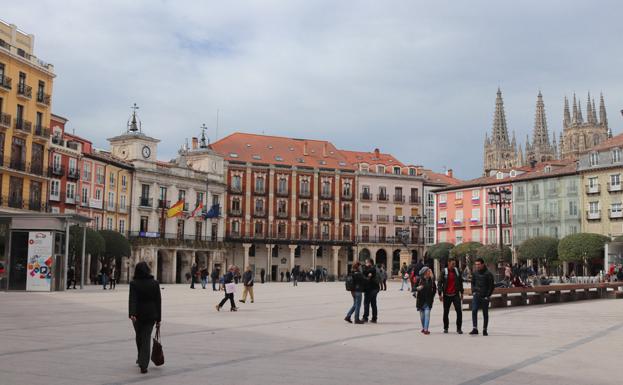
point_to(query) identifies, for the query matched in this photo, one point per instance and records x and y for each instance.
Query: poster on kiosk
(40, 261)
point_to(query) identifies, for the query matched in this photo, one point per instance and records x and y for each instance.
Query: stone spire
(589, 110)
(575, 111)
(580, 117)
(520, 157)
(554, 145)
(567, 116)
(595, 121)
(540, 136)
(500, 130)
(603, 119)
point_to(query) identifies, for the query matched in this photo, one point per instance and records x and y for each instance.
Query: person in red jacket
(450, 289)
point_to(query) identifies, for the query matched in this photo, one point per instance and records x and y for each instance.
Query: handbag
(157, 355)
(230, 288)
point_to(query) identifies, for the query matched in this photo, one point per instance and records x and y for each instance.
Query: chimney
(377, 153)
(325, 153)
(305, 148)
(450, 173)
(533, 163)
(195, 143)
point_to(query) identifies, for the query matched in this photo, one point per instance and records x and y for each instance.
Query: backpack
(377, 276)
(350, 282)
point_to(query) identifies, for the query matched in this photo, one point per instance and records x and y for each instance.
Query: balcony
(123, 208)
(43, 99)
(235, 212)
(347, 195)
(382, 218)
(235, 189)
(614, 187)
(5, 82)
(458, 222)
(282, 214)
(382, 197)
(365, 217)
(474, 221)
(399, 199)
(347, 217)
(24, 91)
(145, 202)
(414, 200)
(73, 173)
(110, 206)
(259, 214)
(57, 170)
(304, 194)
(34, 205)
(326, 216)
(326, 195)
(399, 219)
(164, 204)
(282, 193)
(615, 214)
(18, 164)
(365, 196)
(23, 126)
(259, 191)
(16, 202)
(593, 189)
(593, 215)
(303, 216)
(5, 120)
(42, 132)
(36, 168)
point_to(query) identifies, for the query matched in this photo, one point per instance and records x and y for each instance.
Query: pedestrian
(425, 296)
(193, 274)
(482, 288)
(204, 276)
(215, 276)
(318, 274)
(247, 281)
(281, 276)
(450, 290)
(228, 281)
(104, 273)
(372, 277)
(287, 276)
(355, 283)
(71, 277)
(295, 275)
(145, 309)
(404, 276)
(113, 278)
(262, 274)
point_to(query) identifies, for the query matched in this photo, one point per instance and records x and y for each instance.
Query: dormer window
(397, 170)
(616, 155)
(412, 172)
(593, 159)
(499, 175)
(380, 169)
(548, 169)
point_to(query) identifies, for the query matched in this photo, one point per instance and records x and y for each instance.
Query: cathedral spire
(589, 109)
(595, 121)
(575, 111)
(554, 145)
(500, 130)
(567, 116)
(603, 119)
(540, 136)
(580, 117)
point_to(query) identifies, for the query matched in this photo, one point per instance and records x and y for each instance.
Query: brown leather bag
(157, 355)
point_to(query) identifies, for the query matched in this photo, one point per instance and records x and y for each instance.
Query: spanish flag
(176, 209)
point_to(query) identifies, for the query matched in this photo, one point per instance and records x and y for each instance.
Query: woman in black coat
(228, 279)
(426, 290)
(144, 310)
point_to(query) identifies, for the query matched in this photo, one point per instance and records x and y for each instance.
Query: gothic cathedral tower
(499, 151)
(579, 136)
(540, 150)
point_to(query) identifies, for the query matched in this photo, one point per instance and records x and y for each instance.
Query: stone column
(247, 247)
(292, 256)
(269, 255)
(335, 260)
(173, 254)
(314, 249)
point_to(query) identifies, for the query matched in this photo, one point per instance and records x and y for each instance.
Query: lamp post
(500, 197)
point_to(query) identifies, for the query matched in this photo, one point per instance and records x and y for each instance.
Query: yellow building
(602, 190)
(117, 192)
(25, 110)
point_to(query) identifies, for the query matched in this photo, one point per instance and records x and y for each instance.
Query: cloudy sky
(416, 79)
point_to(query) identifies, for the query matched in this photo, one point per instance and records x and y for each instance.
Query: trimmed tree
(492, 254)
(116, 247)
(94, 247)
(440, 251)
(465, 250)
(544, 249)
(582, 247)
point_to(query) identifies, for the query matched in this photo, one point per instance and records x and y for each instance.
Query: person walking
(372, 277)
(145, 310)
(425, 296)
(262, 274)
(104, 273)
(71, 277)
(215, 278)
(204, 276)
(295, 276)
(482, 288)
(228, 278)
(193, 274)
(287, 276)
(450, 289)
(404, 276)
(247, 281)
(357, 286)
(383, 283)
(282, 273)
(112, 282)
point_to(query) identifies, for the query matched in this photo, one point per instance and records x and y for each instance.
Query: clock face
(146, 152)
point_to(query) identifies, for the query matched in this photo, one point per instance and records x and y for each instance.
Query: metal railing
(399, 198)
(24, 90)
(5, 82)
(43, 132)
(382, 197)
(365, 196)
(146, 202)
(43, 98)
(5, 120)
(23, 125)
(73, 173)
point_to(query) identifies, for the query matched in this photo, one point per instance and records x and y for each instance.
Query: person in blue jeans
(372, 287)
(483, 285)
(104, 273)
(426, 291)
(357, 293)
(404, 275)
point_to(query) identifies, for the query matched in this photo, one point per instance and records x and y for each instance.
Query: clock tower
(134, 145)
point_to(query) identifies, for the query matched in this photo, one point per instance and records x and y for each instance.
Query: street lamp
(500, 197)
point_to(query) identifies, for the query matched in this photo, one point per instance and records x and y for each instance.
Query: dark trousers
(229, 297)
(192, 281)
(262, 277)
(384, 284)
(143, 341)
(214, 283)
(370, 301)
(447, 302)
(69, 283)
(112, 283)
(480, 303)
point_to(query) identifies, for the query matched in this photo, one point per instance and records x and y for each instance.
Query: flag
(214, 212)
(176, 209)
(197, 211)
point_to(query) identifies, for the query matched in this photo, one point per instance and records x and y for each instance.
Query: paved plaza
(298, 336)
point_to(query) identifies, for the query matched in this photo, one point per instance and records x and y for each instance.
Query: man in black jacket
(371, 291)
(483, 285)
(193, 274)
(247, 281)
(215, 278)
(145, 309)
(450, 289)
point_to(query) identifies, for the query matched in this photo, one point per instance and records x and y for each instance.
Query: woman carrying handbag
(144, 310)
(230, 289)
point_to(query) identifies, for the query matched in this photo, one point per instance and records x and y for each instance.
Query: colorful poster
(40, 261)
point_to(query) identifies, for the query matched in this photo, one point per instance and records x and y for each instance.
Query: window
(572, 187)
(99, 175)
(55, 189)
(85, 196)
(475, 195)
(304, 230)
(593, 159)
(443, 199)
(259, 206)
(491, 236)
(573, 208)
(380, 169)
(73, 165)
(122, 225)
(56, 163)
(259, 184)
(506, 236)
(430, 199)
(86, 172)
(236, 183)
(535, 190)
(326, 188)
(346, 189)
(593, 207)
(97, 223)
(458, 195)
(365, 192)
(325, 231)
(346, 231)
(458, 236)
(615, 180)
(109, 223)
(491, 217)
(71, 193)
(346, 210)
(326, 210)
(305, 209)
(304, 186)
(458, 219)
(382, 193)
(282, 187)
(124, 182)
(536, 211)
(397, 170)
(259, 228)
(216, 200)
(412, 172)
(111, 179)
(98, 194)
(144, 224)
(475, 215)
(519, 191)
(281, 229)
(616, 155)
(475, 235)
(282, 207)
(235, 205)
(443, 217)
(111, 200)
(199, 198)
(235, 227)
(181, 195)
(506, 216)
(616, 207)
(592, 182)
(122, 202)
(443, 236)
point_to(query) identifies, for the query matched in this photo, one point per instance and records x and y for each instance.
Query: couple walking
(363, 282)
(230, 287)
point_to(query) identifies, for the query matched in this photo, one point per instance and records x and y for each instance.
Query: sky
(416, 79)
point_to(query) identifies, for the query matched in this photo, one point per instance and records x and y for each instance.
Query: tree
(492, 254)
(116, 246)
(582, 247)
(466, 249)
(544, 249)
(94, 246)
(440, 251)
